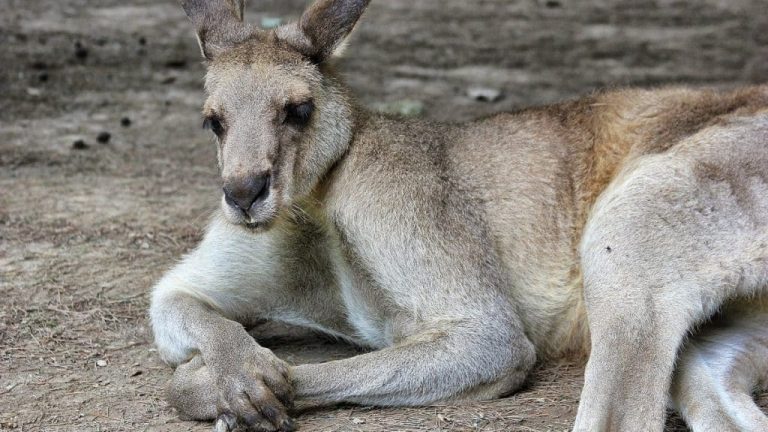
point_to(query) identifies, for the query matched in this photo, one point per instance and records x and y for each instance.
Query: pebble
(80, 145)
(358, 421)
(484, 94)
(81, 52)
(101, 363)
(176, 64)
(103, 137)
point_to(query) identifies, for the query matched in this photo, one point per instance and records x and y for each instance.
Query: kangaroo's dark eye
(300, 114)
(215, 125)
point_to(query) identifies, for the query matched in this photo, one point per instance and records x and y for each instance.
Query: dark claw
(270, 413)
(226, 422)
(286, 398)
(287, 425)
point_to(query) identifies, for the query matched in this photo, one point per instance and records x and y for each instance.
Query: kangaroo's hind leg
(676, 237)
(720, 368)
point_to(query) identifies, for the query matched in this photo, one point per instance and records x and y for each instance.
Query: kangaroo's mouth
(254, 226)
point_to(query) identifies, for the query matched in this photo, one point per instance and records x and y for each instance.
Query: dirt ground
(86, 228)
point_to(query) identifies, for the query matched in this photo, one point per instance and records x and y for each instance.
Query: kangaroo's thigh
(665, 247)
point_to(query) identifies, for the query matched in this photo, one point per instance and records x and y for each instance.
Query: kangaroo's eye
(215, 125)
(300, 114)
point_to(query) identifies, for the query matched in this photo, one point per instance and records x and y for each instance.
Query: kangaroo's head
(280, 120)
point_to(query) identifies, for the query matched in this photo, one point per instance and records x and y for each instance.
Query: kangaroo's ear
(219, 24)
(323, 27)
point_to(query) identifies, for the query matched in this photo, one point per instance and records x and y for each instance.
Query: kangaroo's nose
(244, 192)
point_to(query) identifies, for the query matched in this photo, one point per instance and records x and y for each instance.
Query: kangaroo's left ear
(323, 27)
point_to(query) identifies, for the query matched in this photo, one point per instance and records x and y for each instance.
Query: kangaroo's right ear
(219, 24)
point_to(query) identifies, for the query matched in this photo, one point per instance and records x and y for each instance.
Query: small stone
(81, 52)
(125, 122)
(80, 145)
(358, 421)
(103, 137)
(176, 64)
(101, 363)
(39, 65)
(484, 94)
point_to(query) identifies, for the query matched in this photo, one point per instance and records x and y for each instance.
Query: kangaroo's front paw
(254, 391)
(227, 422)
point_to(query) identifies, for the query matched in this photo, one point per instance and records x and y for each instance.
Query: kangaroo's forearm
(451, 367)
(184, 325)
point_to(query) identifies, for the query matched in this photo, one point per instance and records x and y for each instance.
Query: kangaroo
(629, 227)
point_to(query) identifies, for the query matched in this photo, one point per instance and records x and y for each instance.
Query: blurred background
(106, 177)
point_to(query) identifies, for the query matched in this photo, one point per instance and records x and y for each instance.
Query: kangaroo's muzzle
(245, 194)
